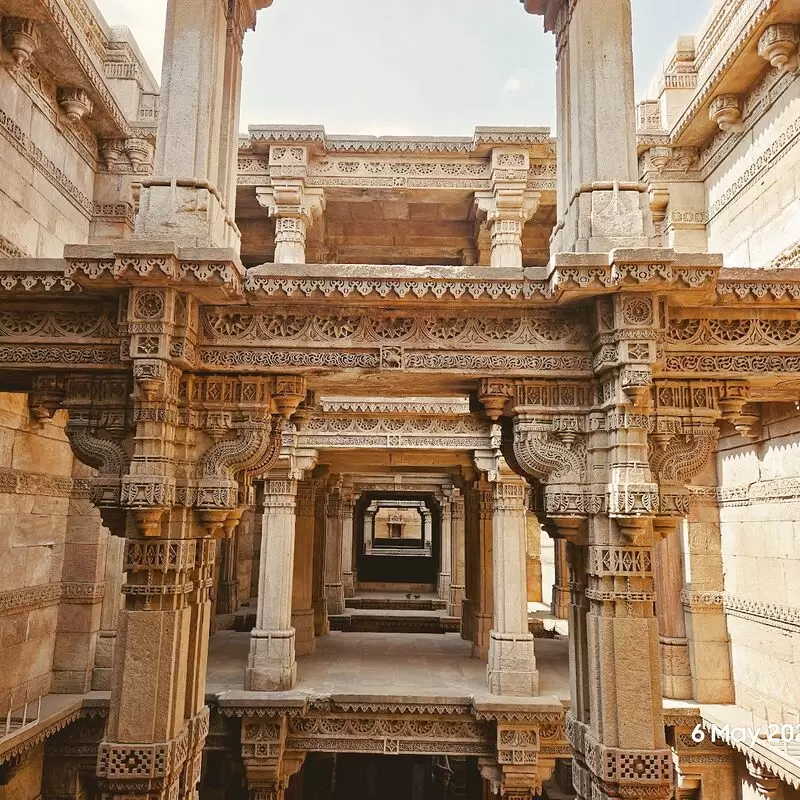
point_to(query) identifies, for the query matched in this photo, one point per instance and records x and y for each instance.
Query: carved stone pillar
(187, 199)
(601, 204)
(533, 548)
(559, 604)
(228, 587)
(457, 553)
(508, 206)
(483, 568)
(615, 725)
(334, 588)
(676, 675)
(445, 550)
(292, 205)
(271, 665)
(512, 666)
(320, 538)
(348, 584)
(470, 563)
(303, 579)
(109, 614)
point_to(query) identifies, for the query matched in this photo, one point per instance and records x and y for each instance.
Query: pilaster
(559, 604)
(271, 665)
(533, 531)
(320, 537)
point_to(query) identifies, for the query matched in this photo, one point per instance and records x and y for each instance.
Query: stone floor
(386, 663)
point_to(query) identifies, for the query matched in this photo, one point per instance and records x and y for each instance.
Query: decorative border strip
(15, 481)
(36, 157)
(29, 598)
(762, 611)
(9, 250)
(781, 490)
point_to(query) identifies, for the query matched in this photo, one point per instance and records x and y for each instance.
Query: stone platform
(391, 664)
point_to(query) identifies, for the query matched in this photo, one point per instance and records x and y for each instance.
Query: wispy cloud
(519, 80)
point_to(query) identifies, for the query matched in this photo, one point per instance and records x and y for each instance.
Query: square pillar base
(444, 586)
(334, 594)
(348, 584)
(271, 666)
(512, 665)
(303, 624)
(455, 600)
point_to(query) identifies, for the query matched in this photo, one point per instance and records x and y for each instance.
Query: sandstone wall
(46, 195)
(754, 193)
(52, 559)
(760, 520)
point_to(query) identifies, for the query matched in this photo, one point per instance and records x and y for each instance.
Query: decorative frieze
(551, 328)
(18, 601)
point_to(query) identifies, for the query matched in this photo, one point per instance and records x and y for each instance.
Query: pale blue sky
(425, 67)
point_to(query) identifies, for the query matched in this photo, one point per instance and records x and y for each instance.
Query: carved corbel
(21, 37)
(494, 395)
(678, 460)
(46, 396)
(75, 103)
(289, 392)
(98, 423)
(543, 455)
(726, 111)
(779, 45)
(674, 460)
(766, 784)
(733, 403)
(218, 466)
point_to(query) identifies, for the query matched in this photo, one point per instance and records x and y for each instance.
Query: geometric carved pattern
(391, 736)
(604, 560)
(542, 328)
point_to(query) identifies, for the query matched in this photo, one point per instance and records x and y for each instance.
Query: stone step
(396, 603)
(395, 623)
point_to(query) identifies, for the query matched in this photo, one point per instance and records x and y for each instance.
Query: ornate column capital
(292, 204)
(508, 205)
